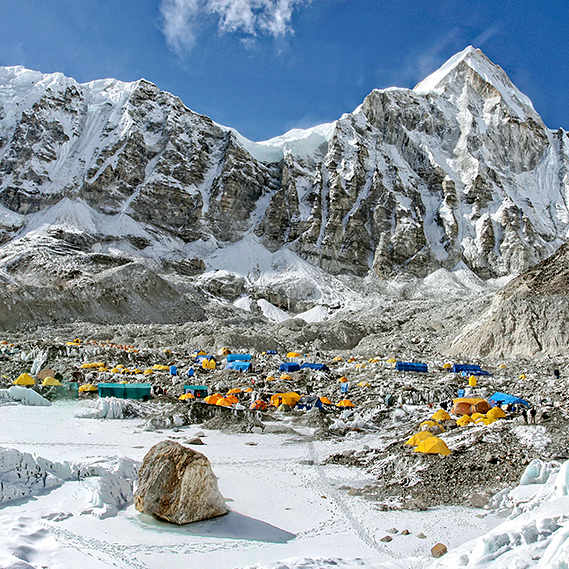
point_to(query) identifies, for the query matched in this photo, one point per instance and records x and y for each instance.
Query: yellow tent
(464, 420)
(432, 424)
(364, 384)
(209, 364)
(325, 400)
(522, 376)
(484, 420)
(159, 367)
(285, 376)
(224, 352)
(447, 366)
(51, 381)
(391, 361)
(501, 366)
(373, 360)
(197, 353)
(223, 402)
(24, 379)
(88, 387)
(271, 378)
(186, 396)
(496, 413)
(418, 438)
(293, 355)
(350, 360)
(441, 415)
(343, 379)
(433, 445)
(291, 399)
(345, 403)
(338, 359)
(234, 391)
(476, 416)
(148, 371)
(232, 399)
(211, 399)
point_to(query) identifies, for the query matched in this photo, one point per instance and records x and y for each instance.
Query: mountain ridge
(463, 173)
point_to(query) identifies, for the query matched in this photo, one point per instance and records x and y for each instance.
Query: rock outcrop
(527, 317)
(177, 484)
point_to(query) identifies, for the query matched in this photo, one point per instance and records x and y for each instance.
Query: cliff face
(527, 317)
(459, 169)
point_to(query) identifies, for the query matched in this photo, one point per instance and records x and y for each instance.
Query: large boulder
(177, 484)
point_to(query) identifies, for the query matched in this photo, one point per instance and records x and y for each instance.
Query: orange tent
(212, 399)
(345, 403)
(325, 400)
(224, 402)
(234, 391)
(258, 405)
(470, 405)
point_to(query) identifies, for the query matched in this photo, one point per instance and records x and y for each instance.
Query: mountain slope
(459, 171)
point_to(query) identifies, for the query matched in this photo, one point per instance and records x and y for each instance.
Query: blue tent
(272, 352)
(410, 366)
(201, 359)
(318, 367)
(239, 358)
(290, 367)
(470, 368)
(307, 402)
(239, 366)
(503, 398)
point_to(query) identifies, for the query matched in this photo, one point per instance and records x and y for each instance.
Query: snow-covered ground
(287, 510)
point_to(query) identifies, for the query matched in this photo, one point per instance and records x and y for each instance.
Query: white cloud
(182, 18)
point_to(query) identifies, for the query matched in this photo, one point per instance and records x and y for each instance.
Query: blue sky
(266, 66)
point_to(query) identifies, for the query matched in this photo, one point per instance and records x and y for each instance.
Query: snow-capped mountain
(461, 168)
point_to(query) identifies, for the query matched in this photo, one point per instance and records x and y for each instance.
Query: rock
(257, 430)
(194, 441)
(477, 500)
(405, 532)
(386, 538)
(177, 484)
(392, 530)
(307, 462)
(438, 550)
(490, 459)
(420, 503)
(421, 535)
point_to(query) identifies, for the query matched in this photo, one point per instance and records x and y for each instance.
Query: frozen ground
(283, 506)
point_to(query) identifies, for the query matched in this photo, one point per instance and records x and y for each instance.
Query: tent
(239, 358)
(441, 415)
(232, 399)
(476, 416)
(223, 352)
(469, 405)
(391, 361)
(289, 367)
(24, 379)
(495, 413)
(258, 405)
(51, 381)
(248, 390)
(418, 438)
(411, 366)
(485, 420)
(308, 402)
(223, 402)
(239, 366)
(291, 399)
(293, 355)
(433, 445)
(325, 400)
(186, 396)
(345, 403)
(464, 420)
(271, 378)
(317, 367)
(343, 379)
(338, 359)
(198, 391)
(87, 388)
(234, 391)
(285, 376)
(212, 399)
(209, 364)
(503, 398)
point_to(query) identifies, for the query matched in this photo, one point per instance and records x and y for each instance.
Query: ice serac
(102, 174)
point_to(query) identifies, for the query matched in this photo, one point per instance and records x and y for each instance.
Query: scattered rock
(393, 530)
(477, 500)
(194, 441)
(386, 538)
(405, 532)
(421, 535)
(439, 550)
